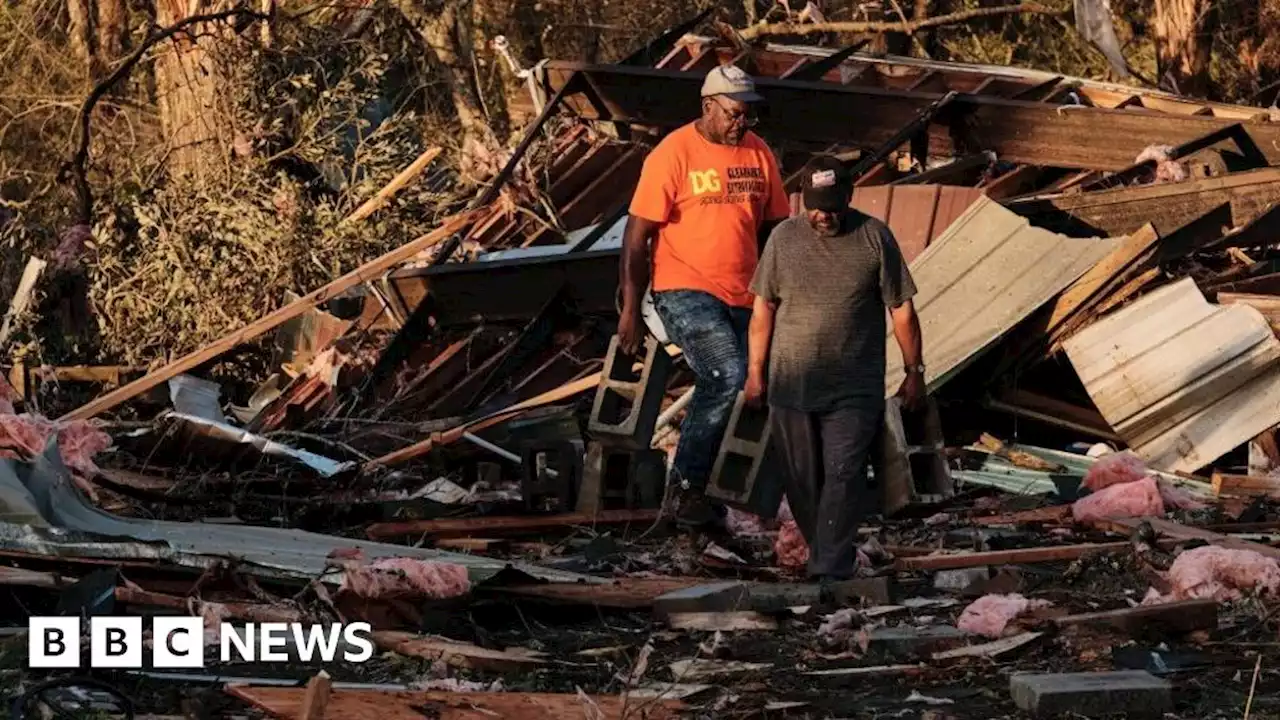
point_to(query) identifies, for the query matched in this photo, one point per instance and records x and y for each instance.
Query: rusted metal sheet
(1020, 132)
(917, 214)
(1181, 380)
(985, 274)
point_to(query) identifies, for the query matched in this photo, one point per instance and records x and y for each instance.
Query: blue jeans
(713, 338)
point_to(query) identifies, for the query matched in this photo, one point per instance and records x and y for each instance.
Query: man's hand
(631, 331)
(912, 390)
(753, 391)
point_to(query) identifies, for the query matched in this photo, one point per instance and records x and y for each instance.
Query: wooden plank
(622, 594)
(735, 621)
(1268, 305)
(316, 698)
(1181, 532)
(1246, 485)
(286, 704)
(1183, 616)
(508, 524)
(1052, 515)
(1008, 557)
(383, 196)
(21, 297)
(460, 654)
(364, 273)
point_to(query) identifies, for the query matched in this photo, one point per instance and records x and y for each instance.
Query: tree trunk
(189, 81)
(1182, 45)
(441, 32)
(111, 27)
(80, 30)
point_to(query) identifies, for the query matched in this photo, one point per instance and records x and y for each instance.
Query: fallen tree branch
(911, 26)
(78, 167)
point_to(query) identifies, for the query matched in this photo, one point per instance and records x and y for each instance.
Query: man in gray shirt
(818, 326)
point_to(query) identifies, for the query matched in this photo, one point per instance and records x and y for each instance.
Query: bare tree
(1183, 45)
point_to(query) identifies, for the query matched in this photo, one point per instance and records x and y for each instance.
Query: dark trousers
(713, 338)
(824, 459)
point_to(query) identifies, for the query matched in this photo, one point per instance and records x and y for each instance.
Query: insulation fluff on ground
(387, 578)
(1218, 573)
(1125, 500)
(989, 615)
(1114, 469)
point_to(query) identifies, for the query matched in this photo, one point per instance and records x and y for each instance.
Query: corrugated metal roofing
(1183, 381)
(986, 273)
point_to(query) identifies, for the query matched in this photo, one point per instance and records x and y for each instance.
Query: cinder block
(550, 476)
(912, 465)
(746, 474)
(628, 403)
(713, 597)
(1126, 693)
(614, 477)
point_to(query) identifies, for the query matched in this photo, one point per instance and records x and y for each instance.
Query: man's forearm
(906, 328)
(759, 336)
(635, 264)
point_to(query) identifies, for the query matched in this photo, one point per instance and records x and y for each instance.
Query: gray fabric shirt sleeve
(765, 282)
(896, 284)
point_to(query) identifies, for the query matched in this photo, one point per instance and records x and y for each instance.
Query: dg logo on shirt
(704, 181)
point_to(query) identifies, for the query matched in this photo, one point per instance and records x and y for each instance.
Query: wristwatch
(914, 369)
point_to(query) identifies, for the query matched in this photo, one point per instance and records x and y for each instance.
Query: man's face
(824, 222)
(728, 118)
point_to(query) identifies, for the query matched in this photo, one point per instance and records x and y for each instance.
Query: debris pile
(442, 449)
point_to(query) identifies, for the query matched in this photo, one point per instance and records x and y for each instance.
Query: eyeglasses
(747, 117)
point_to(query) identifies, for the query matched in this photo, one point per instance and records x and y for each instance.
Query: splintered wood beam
(397, 184)
(1182, 616)
(1008, 557)
(1235, 132)
(364, 273)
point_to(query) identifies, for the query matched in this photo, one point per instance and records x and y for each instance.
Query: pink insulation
(1125, 500)
(1168, 170)
(790, 547)
(23, 437)
(744, 524)
(1219, 573)
(989, 615)
(405, 577)
(1114, 469)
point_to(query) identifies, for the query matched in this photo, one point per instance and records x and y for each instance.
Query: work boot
(693, 510)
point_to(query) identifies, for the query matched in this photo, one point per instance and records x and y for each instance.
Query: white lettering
(358, 635)
(244, 646)
(272, 639)
(313, 637)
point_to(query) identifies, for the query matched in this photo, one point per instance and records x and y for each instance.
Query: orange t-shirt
(710, 201)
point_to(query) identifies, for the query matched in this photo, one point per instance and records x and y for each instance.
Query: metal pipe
(503, 452)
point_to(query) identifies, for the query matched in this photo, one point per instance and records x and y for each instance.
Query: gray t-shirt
(828, 339)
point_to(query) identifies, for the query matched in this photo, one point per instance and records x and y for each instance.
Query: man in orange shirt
(708, 196)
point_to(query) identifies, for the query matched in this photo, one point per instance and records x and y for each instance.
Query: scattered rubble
(448, 449)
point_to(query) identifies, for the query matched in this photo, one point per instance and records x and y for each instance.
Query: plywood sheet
(1181, 380)
(987, 272)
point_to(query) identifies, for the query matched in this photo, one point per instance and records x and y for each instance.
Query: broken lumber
(1245, 485)
(316, 698)
(510, 524)
(459, 654)
(622, 594)
(1008, 557)
(728, 621)
(988, 649)
(1179, 532)
(397, 184)
(1019, 458)
(287, 703)
(1052, 515)
(21, 297)
(271, 321)
(1182, 616)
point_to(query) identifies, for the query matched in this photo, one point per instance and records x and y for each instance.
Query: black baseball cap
(826, 184)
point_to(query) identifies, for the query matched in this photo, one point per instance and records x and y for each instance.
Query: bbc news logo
(179, 642)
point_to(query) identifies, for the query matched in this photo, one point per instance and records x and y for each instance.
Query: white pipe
(668, 416)
(481, 442)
